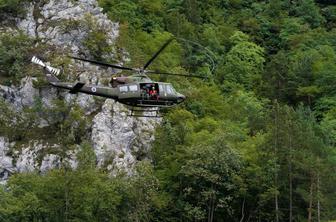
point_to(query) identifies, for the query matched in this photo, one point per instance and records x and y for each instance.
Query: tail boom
(51, 73)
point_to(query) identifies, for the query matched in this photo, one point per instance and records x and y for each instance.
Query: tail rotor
(50, 69)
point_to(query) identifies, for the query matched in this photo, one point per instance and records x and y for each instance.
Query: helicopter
(136, 90)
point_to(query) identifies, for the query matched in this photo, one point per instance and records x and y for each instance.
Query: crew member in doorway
(153, 93)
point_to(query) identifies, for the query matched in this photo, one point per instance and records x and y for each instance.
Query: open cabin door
(149, 91)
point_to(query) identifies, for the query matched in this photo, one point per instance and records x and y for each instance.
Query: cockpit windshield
(170, 89)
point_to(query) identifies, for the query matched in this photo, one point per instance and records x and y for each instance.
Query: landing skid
(145, 112)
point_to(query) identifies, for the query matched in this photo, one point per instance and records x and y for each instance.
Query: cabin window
(133, 88)
(123, 88)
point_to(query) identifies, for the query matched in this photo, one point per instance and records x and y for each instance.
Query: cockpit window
(170, 89)
(133, 88)
(123, 88)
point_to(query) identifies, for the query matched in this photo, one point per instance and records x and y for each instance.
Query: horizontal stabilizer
(76, 87)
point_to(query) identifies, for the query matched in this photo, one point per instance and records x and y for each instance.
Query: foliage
(244, 62)
(253, 142)
(12, 7)
(61, 195)
(96, 39)
(14, 56)
(209, 180)
(85, 194)
(16, 125)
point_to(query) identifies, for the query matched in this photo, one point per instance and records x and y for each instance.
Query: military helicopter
(137, 90)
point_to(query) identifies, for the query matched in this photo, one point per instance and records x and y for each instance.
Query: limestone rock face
(118, 140)
(63, 23)
(27, 92)
(10, 95)
(31, 157)
(6, 161)
(21, 96)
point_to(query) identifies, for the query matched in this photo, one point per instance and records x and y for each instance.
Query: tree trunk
(290, 193)
(66, 195)
(209, 210)
(242, 211)
(276, 208)
(276, 121)
(310, 209)
(318, 198)
(212, 209)
(309, 101)
(290, 173)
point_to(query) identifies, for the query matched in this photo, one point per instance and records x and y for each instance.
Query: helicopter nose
(181, 98)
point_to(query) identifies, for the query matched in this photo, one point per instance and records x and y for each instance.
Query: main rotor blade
(157, 53)
(175, 74)
(102, 63)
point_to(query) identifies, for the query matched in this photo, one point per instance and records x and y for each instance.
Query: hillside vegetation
(255, 141)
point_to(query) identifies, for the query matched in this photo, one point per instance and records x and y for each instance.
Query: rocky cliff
(117, 139)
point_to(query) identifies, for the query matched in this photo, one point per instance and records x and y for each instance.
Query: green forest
(254, 141)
